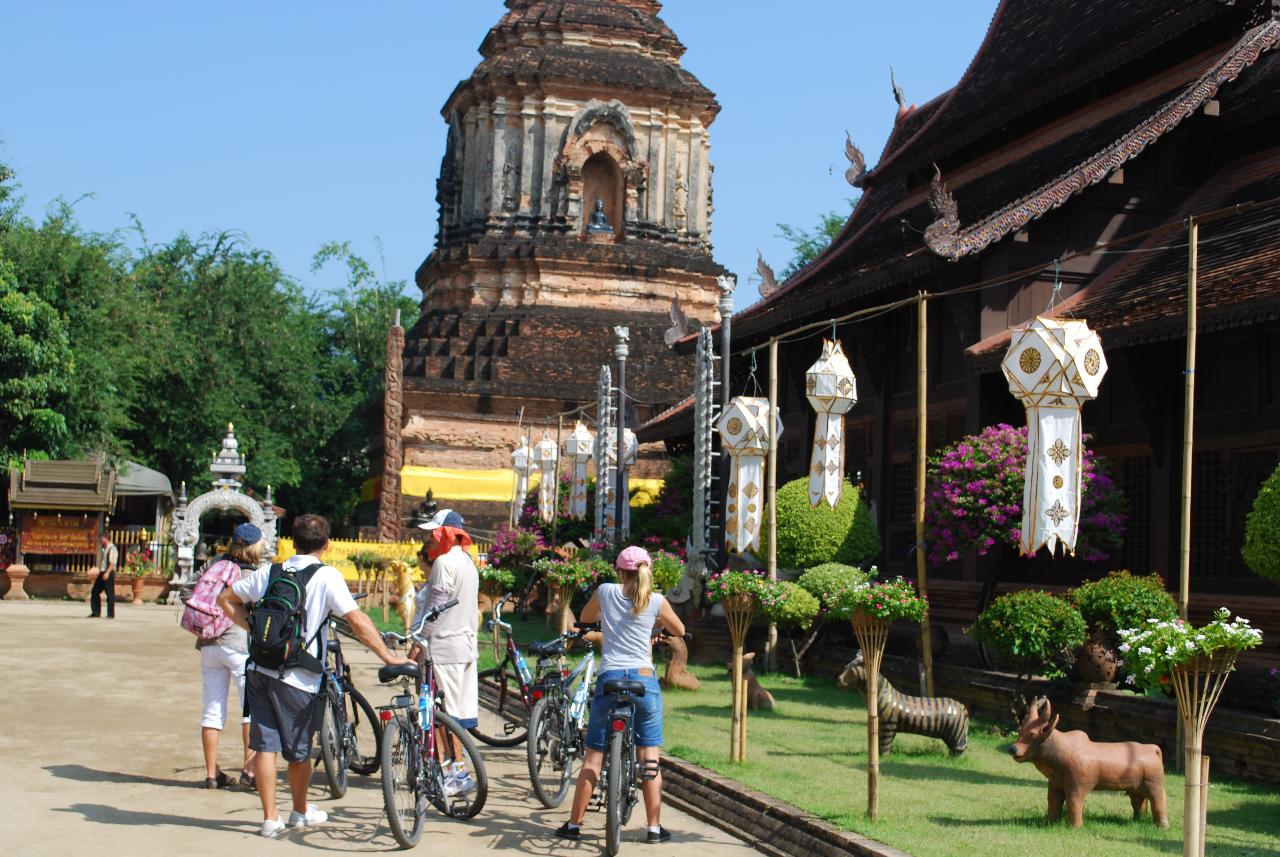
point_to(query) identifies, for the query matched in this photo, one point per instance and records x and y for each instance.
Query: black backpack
(278, 622)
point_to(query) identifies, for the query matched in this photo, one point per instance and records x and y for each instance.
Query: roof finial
(857, 172)
(768, 281)
(898, 95)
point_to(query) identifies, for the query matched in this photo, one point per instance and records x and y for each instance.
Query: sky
(298, 123)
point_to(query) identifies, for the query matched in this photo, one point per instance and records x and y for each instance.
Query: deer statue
(757, 696)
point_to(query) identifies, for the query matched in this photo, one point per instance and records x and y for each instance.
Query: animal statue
(677, 674)
(757, 696)
(1076, 765)
(931, 716)
(404, 591)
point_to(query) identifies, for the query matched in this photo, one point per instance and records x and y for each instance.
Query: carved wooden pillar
(393, 448)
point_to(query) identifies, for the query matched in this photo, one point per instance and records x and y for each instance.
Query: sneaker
(272, 827)
(658, 838)
(459, 784)
(312, 817)
(564, 831)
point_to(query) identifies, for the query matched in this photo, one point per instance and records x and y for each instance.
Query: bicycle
(621, 770)
(345, 712)
(417, 744)
(504, 720)
(558, 723)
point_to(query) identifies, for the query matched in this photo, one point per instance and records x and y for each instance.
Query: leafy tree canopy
(808, 244)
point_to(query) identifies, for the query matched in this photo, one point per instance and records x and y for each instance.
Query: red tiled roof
(669, 423)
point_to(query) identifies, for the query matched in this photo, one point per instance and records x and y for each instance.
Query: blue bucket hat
(246, 534)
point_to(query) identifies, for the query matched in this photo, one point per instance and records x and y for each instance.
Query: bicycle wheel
(503, 718)
(550, 769)
(365, 734)
(333, 750)
(400, 781)
(466, 804)
(614, 796)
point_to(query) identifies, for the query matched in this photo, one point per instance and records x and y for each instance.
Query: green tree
(35, 361)
(806, 244)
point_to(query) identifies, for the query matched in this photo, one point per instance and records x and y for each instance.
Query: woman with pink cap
(627, 613)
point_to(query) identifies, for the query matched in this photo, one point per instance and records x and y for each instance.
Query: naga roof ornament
(857, 171)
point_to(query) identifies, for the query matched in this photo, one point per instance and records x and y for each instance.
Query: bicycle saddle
(395, 671)
(554, 647)
(634, 688)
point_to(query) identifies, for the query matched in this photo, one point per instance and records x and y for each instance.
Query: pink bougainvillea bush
(973, 498)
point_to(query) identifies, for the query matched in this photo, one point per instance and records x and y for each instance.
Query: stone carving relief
(599, 128)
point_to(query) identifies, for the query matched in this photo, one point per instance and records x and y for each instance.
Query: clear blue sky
(300, 123)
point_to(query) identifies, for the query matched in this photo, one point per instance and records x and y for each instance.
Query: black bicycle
(622, 771)
(349, 728)
(558, 722)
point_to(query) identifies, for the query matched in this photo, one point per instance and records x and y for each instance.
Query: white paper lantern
(832, 391)
(745, 436)
(1053, 366)
(579, 447)
(522, 462)
(547, 455)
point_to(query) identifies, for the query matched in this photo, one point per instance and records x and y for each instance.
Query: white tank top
(626, 636)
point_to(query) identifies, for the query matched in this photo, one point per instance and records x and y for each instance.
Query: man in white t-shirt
(283, 705)
(452, 574)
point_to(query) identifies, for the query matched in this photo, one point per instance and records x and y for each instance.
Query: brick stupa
(575, 195)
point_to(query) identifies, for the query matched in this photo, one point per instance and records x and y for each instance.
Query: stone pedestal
(17, 574)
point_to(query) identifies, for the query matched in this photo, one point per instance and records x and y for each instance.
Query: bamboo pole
(771, 650)
(872, 634)
(1204, 801)
(738, 611)
(922, 440)
(1198, 685)
(1188, 420)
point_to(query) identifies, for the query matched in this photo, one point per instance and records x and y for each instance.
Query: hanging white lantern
(523, 463)
(1053, 366)
(579, 447)
(631, 449)
(745, 436)
(832, 391)
(547, 455)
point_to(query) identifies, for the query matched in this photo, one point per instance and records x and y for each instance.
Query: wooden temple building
(575, 195)
(1074, 125)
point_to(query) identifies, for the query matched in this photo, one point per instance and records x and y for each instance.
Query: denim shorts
(646, 724)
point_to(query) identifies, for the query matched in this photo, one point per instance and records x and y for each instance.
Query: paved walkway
(100, 754)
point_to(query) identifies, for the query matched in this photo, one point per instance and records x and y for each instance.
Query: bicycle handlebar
(391, 637)
(661, 633)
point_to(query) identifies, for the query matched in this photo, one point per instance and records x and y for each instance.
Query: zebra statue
(932, 716)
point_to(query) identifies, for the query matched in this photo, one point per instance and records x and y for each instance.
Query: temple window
(602, 196)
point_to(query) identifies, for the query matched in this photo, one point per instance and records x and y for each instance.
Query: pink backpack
(202, 616)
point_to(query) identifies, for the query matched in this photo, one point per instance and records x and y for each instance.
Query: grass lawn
(811, 752)
(526, 631)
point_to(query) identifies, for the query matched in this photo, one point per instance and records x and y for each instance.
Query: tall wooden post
(738, 610)
(872, 634)
(1188, 423)
(922, 440)
(392, 445)
(771, 653)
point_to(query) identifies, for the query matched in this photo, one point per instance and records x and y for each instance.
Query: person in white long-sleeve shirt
(451, 574)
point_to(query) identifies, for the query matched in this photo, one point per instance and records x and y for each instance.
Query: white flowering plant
(1152, 650)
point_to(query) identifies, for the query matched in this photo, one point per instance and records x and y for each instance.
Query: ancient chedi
(575, 195)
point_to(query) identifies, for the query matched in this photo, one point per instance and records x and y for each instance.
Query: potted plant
(668, 569)
(1034, 633)
(1119, 600)
(137, 568)
(496, 582)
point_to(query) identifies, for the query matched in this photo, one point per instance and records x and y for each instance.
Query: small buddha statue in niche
(599, 222)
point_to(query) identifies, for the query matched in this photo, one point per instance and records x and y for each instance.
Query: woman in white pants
(222, 662)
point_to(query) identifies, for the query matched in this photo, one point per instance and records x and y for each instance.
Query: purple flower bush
(973, 498)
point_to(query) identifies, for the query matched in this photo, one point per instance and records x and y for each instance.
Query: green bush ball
(1123, 600)
(798, 608)
(1261, 549)
(1032, 630)
(809, 536)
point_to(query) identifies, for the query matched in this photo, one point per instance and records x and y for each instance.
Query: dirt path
(99, 754)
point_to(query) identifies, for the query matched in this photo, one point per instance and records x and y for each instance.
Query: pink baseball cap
(631, 557)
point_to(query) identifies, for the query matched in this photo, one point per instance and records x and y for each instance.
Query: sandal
(221, 781)
(247, 780)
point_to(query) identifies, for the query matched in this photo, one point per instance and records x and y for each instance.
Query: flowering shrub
(974, 498)
(570, 572)
(494, 579)
(139, 563)
(888, 599)
(1031, 630)
(515, 548)
(768, 595)
(827, 582)
(667, 569)
(1122, 600)
(1154, 648)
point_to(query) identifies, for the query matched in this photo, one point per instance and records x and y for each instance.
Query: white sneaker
(462, 783)
(312, 817)
(272, 827)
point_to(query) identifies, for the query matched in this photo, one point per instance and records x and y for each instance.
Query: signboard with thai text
(50, 534)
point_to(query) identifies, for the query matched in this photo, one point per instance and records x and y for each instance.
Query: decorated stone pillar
(392, 443)
(832, 391)
(1053, 366)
